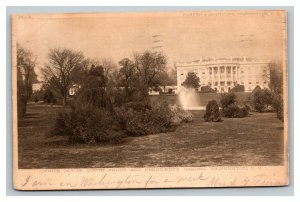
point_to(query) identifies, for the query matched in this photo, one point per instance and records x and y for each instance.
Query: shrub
(207, 89)
(118, 97)
(228, 99)
(212, 113)
(87, 124)
(138, 105)
(234, 111)
(48, 96)
(230, 107)
(138, 119)
(238, 88)
(94, 95)
(157, 118)
(262, 100)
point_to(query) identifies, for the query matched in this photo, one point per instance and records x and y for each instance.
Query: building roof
(211, 61)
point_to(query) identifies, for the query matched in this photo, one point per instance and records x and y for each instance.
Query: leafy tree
(65, 67)
(94, 89)
(191, 81)
(148, 67)
(127, 76)
(262, 99)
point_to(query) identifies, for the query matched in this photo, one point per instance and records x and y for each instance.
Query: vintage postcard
(150, 100)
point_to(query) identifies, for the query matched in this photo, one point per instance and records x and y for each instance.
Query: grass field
(254, 140)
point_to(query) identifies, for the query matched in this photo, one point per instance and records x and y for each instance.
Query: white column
(231, 75)
(236, 74)
(225, 75)
(212, 77)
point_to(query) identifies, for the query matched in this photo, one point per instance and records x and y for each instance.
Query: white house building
(223, 74)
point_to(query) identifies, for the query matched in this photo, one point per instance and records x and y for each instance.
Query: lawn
(254, 140)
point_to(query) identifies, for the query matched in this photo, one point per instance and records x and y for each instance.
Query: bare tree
(107, 63)
(25, 77)
(65, 67)
(25, 65)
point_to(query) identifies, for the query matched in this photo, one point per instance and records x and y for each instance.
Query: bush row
(261, 100)
(87, 124)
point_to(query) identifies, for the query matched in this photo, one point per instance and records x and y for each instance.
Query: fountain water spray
(189, 99)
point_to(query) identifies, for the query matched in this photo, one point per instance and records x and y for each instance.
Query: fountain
(189, 99)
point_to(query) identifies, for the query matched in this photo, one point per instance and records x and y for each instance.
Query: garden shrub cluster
(212, 113)
(238, 88)
(87, 124)
(231, 108)
(263, 100)
(207, 89)
(102, 111)
(142, 119)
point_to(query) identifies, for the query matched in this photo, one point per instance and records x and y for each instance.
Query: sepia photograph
(150, 100)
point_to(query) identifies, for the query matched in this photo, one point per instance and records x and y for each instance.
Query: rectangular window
(216, 83)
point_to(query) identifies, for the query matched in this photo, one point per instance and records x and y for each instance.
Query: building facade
(223, 74)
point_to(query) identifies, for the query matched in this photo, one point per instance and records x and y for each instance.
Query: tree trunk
(65, 98)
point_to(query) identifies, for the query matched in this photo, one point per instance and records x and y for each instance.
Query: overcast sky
(185, 36)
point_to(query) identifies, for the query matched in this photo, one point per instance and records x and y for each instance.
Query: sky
(184, 36)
